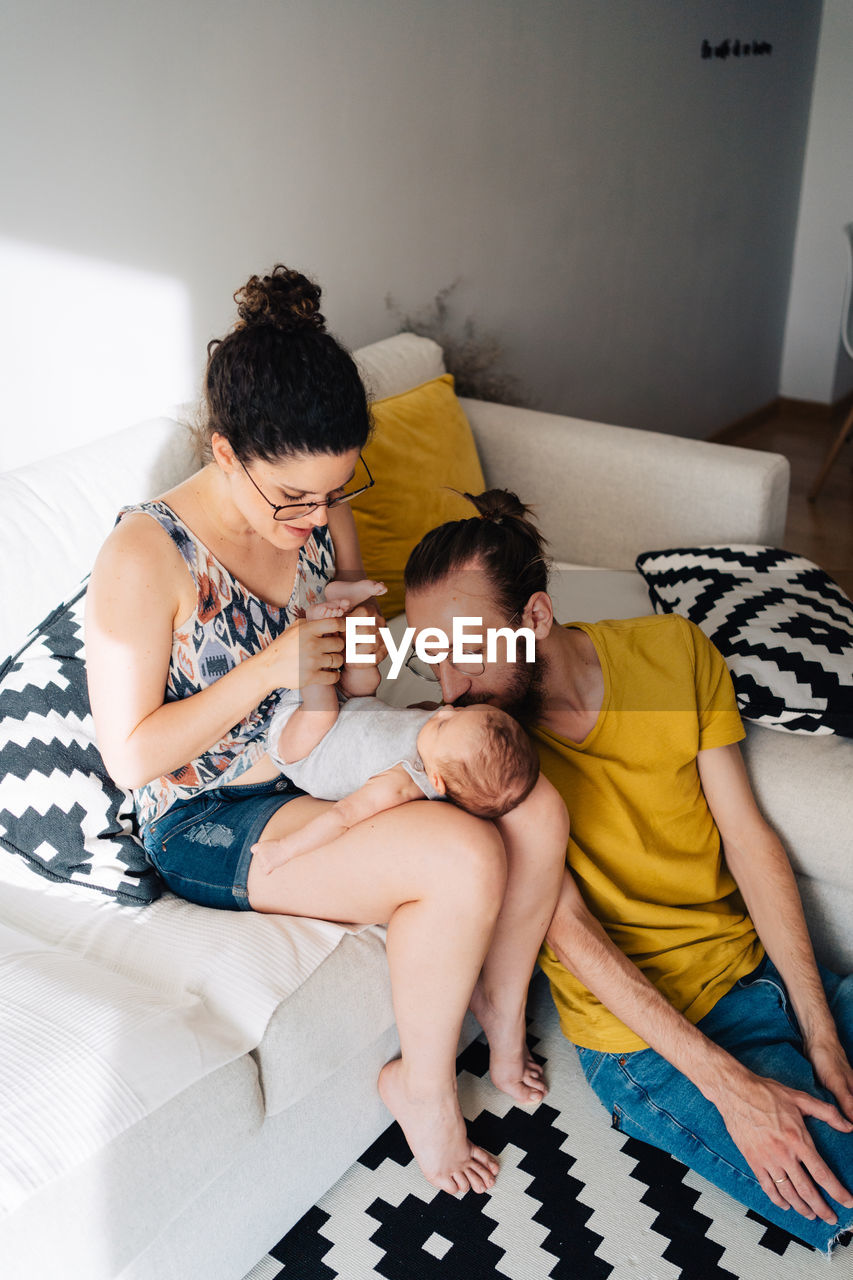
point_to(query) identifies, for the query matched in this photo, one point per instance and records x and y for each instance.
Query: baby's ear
(436, 781)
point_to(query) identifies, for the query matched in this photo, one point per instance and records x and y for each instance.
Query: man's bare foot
(511, 1065)
(435, 1130)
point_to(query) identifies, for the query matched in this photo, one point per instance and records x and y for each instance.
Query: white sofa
(180, 1085)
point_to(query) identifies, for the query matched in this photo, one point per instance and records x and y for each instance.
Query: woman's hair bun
(495, 504)
(285, 300)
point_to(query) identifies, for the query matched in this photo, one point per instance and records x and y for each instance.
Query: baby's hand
(274, 853)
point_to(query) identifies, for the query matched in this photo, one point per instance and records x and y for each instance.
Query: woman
(195, 618)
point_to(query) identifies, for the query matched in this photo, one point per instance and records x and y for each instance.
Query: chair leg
(836, 448)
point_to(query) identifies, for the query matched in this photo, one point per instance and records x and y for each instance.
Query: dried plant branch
(475, 359)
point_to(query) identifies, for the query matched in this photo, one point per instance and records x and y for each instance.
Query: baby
(367, 756)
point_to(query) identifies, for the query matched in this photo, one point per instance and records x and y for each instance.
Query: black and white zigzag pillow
(59, 809)
(783, 626)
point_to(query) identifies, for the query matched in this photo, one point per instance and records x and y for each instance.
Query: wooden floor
(821, 530)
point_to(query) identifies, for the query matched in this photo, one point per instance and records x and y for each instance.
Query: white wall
(620, 211)
(815, 365)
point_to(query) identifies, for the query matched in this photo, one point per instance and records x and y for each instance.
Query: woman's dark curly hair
(501, 539)
(279, 384)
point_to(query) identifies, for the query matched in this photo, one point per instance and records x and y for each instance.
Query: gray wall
(620, 211)
(816, 365)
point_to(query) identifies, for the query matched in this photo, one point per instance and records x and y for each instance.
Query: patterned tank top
(227, 625)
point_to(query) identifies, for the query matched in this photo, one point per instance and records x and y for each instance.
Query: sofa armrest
(603, 494)
(55, 513)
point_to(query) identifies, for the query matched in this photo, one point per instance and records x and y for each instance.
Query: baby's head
(479, 757)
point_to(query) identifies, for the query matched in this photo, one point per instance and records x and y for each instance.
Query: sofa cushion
(802, 784)
(59, 808)
(228, 970)
(783, 626)
(397, 364)
(122, 1010)
(421, 449)
(581, 593)
(86, 1054)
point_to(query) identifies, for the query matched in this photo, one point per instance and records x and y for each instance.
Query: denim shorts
(202, 847)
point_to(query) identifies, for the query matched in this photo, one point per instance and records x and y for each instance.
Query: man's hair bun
(285, 300)
(496, 504)
(502, 538)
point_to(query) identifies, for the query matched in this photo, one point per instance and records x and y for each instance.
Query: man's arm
(764, 1118)
(384, 791)
(759, 864)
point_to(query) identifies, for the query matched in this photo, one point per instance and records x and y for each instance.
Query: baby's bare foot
(323, 610)
(511, 1065)
(352, 593)
(434, 1128)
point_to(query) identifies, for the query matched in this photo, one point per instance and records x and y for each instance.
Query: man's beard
(524, 697)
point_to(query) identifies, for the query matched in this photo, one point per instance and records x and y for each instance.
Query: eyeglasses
(293, 510)
(429, 670)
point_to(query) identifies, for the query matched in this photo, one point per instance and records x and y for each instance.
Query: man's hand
(833, 1070)
(766, 1122)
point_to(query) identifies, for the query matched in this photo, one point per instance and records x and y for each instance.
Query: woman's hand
(308, 652)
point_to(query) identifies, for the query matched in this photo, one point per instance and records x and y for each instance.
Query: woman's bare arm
(133, 599)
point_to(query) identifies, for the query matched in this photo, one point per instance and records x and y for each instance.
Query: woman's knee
(473, 859)
(543, 812)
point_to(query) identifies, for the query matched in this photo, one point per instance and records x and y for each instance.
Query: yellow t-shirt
(644, 849)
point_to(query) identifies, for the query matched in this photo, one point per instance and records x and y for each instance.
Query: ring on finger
(779, 1181)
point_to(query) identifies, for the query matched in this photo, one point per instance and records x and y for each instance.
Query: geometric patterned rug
(575, 1200)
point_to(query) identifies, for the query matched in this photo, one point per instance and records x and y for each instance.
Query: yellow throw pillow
(421, 443)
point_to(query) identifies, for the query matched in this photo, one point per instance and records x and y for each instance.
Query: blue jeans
(650, 1100)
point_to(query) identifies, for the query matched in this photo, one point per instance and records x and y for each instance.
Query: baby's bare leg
(358, 680)
(535, 836)
(352, 593)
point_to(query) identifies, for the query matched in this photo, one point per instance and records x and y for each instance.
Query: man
(678, 954)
